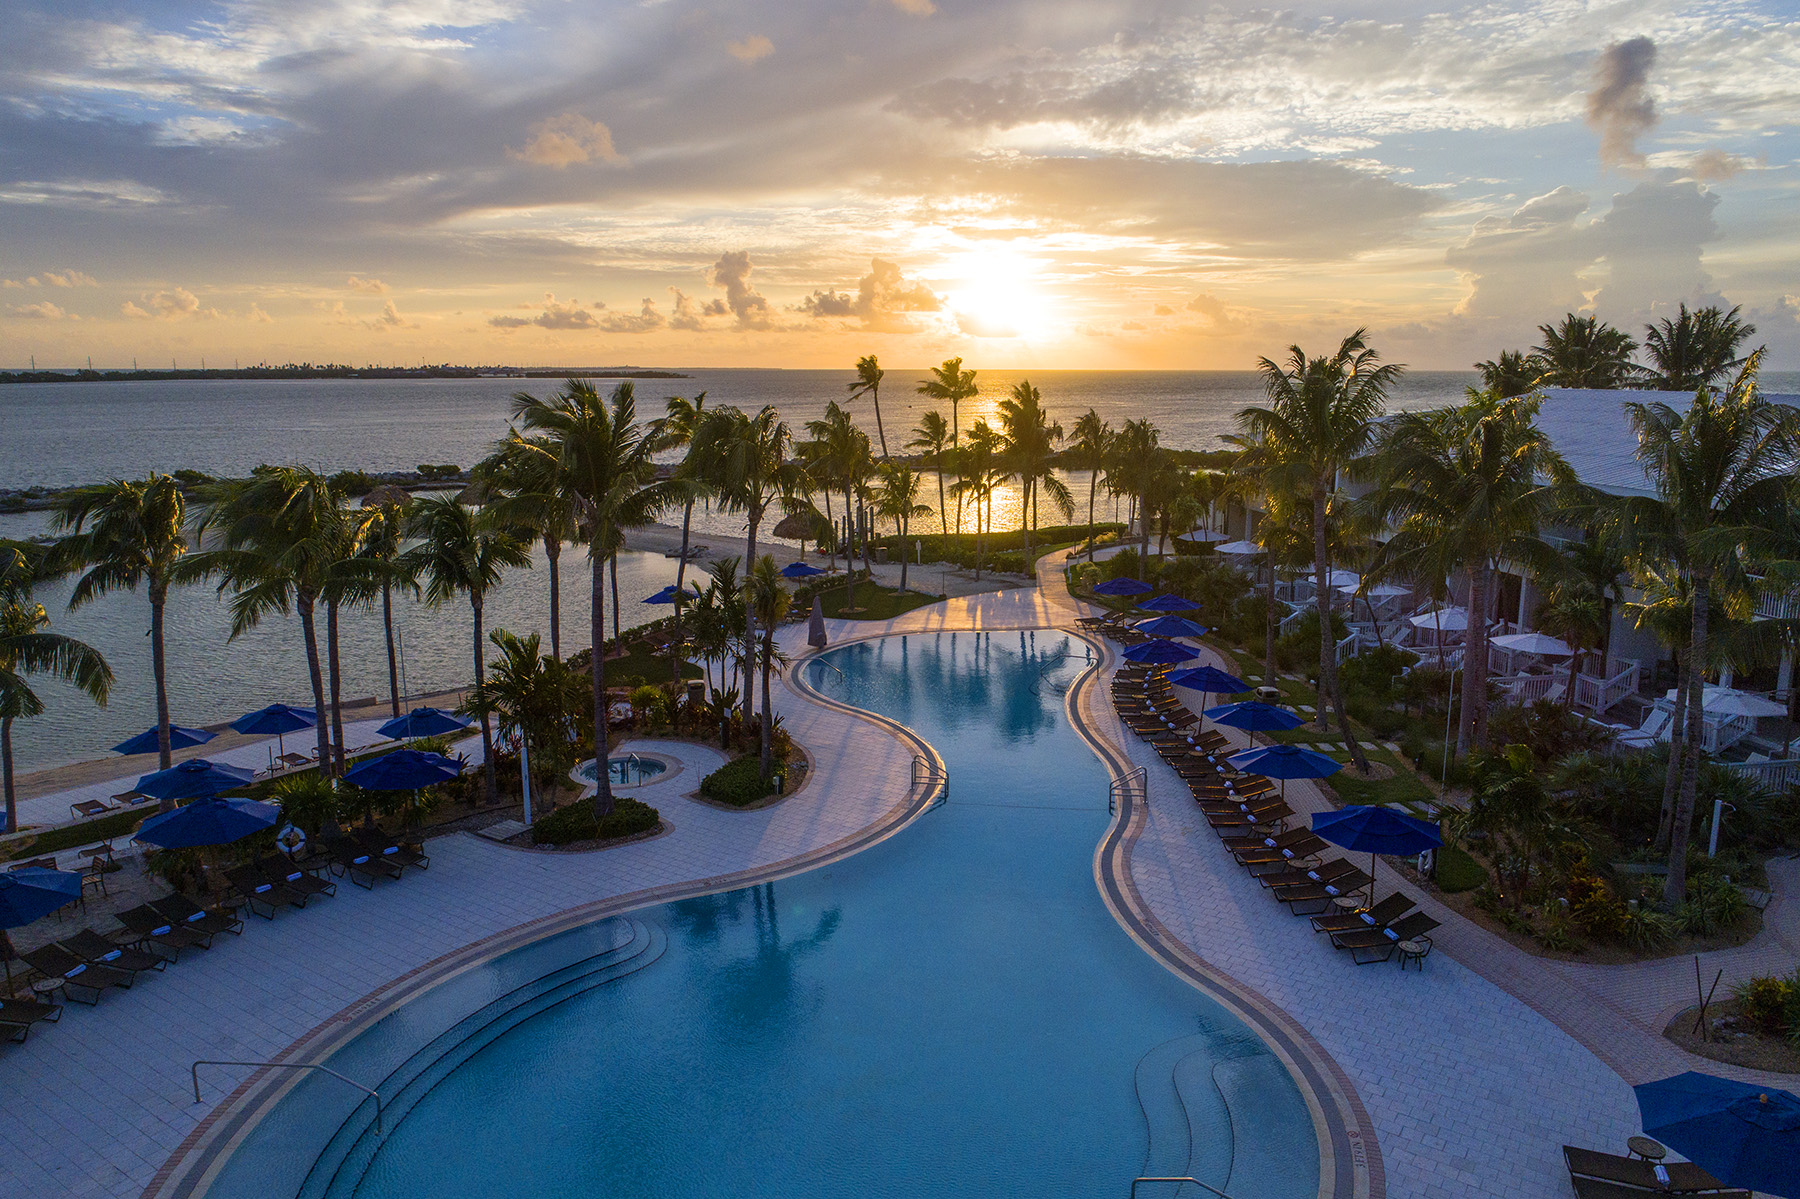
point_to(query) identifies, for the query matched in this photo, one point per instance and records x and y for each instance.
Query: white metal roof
(1593, 434)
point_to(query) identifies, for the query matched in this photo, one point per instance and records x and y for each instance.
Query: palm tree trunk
(1483, 663)
(943, 521)
(387, 628)
(1328, 674)
(866, 520)
(603, 796)
(553, 559)
(687, 521)
(1093, 483)
(1675, 889)
(337, 707)
(310, 636)
(831, 520)
(1271, 626)
(880, 433)
(768, 724)
(903, 526)
(956, 444)
(1143, 515)
(1465, 724)
(159, 672)
(487, 728)
(1665, 824)
(6, 775)
(618, 625)
(849, 550)
(754, 515)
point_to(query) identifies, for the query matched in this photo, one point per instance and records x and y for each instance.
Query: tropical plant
(27, 649)
(932, 436)
(530, 696)
(951, 384)
(897, 498)
(1696, 349)
(1584, 351)
(1031, 438)
(868, 382)
(978, 474)
(1524, 818)
(1514, 373)
(675, 431)
(1135, 458)
(843, 459)
(523, 495)
(379, 534)
(1093, 451)
(125, 534)
(1576, 613)
(768, 602)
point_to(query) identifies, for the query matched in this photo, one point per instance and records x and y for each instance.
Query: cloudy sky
(1031, 183)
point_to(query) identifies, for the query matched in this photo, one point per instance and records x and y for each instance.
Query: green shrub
(1645, 929)
(1457, 871)
(576, 822)
(352, 483)
(1764, 1002)
(1558, 933)
(739, 782)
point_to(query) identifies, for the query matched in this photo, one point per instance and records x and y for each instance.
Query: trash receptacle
(881, 554)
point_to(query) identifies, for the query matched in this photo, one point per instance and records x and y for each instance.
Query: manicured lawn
(56, 840)
(1457, 871)
(876, 603)
(641, 663)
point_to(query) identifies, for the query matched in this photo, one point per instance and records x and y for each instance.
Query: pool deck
(1472, 1073)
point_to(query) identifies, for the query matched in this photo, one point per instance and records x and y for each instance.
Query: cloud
(1652, 239)
(566, 140)
(645, 320)
(732, 273)
(368, 287)
(1528, 262)
(44, 311)
(390, 318)
(1714, 165)
(971, 325)
(883, 297)
(172, 305)
(10, 285)
(916, 8)
(1218, 317)
(563, 318)
(257, 316)
(687, 315)
(751, 48)
(68, 279)
(1620, 107)
(1164, 310)
(1136, 93)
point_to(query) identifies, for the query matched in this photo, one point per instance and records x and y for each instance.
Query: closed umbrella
(423, 722)
(1254, 716)
(276, 720)
(1168, 603)
(1373, 830)
(1210, 680)
(195, 778)
(1748, 1135)
(208, 822)
(1172, 626)
(28, 894)
(1160, 653)
(179, 738)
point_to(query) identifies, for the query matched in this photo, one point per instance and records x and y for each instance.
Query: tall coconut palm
(844, 458)
(1031, 438)
(521, 490)
(380, 533)
(123, 535)
(1696, 349)
(274, 540)
(1584, 351)
(868, 382)
(1666, 611)
(675, 431)
(1576, 613)
(1722, 477)
(932, 437)
(1514, 373)
(768, 604)
(1136, 454)
(601, 461)
(951, 384)
(1319, 419)
(529, 696)
(1093, 446)
(27, 649)
(898, 499)
(979, 472)
(461, 552)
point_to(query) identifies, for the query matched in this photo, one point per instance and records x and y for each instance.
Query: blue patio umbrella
(1374, 831)
(423, 722)
(404, 770)
(28, 894)
(195, 778)
(1748, 1135)
(799, 570)
(179, 738)
(1168, 603)
(278, 719)
(1208, 679)
(1254, 716)
(1284, 762)
(208, 822)
(669, 594)
(1160, 653)
(1172, 626)
(1119, 587)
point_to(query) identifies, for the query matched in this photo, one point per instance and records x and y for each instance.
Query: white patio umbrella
(1727, 701)
(1200, 536)
(1450, 620)
(1533, 643)
(1240, 547)
(1343, 580)
(1380, 591)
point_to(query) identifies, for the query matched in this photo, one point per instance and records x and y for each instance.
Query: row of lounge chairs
(1117, 626)
(1596, 1175)
(87, 964)
(1251, 819)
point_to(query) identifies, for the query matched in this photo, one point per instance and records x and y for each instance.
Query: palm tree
(127, 534)
(933, 437)
(768, 604)
(1093, 445)
(951, 383)
(1722, 486)
(1667, 612)
(898, 499)
(462, 552)
(1514, 373)
(1696, 349)
(979, 472)
(844, 457)
(524, 496)
(1320, 418)
(530, 695)
(675, 431)
(1135, 454)
(27, 649)
(1031, 438)
(600, 458)
(1584, 351)
(1576, 613)
(868, 380)
(380, 532)
(275, 541)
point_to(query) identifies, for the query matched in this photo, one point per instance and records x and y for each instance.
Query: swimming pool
(630, 769)
(950, 1012)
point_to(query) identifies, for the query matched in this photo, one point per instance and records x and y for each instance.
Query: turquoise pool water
(951, 1012)
(630, 770)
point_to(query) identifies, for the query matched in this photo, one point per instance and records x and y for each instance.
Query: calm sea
(62, 434)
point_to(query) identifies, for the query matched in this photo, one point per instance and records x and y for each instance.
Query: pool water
(627, 770)
(951, 1012)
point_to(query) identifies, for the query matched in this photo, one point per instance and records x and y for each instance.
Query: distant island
(308, 370)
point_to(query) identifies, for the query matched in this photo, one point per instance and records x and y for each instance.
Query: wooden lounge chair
(1627, 1176)
(1385, 912)
(359, 865)
(1380, 943)
(91, 807)
(1290, 846)
(1306, 899)
(278, 869)
(272, 894)
(183, 912)
(149, 926)
(393, 849)
(1270, 815)
(1324, 872)
(18, 1015)
(53, 961)
(96, 950)
(131, 799)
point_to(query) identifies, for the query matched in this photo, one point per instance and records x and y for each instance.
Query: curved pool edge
(190, 1170)
(1350, 1165)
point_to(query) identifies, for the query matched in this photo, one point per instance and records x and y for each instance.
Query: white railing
(1292, 620)
(1349, 647)
(1718, 732)
(1522, 689)
(1603, 694)
(1777, 776)
(1782, 606)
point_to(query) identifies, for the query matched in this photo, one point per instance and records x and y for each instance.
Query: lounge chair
(278, 869)
(131, 799)
(1266, 815)
(1290, 846)
(183, 912)
(270, 893)
(392, 848)
(91, 807)
(1324, 872)
(1380, 943)
(1628, 1176)
(149, 926)
(18, 1015)
(96, 950)
(1317, 897)
(1385, 912)
(351, 860)
(53, 961)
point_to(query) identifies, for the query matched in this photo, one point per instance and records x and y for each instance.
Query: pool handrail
(1203, 1186)
(928, 771)
(194, 1074)
(1137, 780)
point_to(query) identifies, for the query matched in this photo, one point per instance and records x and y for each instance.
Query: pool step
(1206, 1100)
(353, 1146)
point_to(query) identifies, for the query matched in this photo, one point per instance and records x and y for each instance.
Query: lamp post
(1720, 807)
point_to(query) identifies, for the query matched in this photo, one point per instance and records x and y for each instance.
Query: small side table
(1646, 1148)
(1414, 951)
(1347, 903)
(44, 988)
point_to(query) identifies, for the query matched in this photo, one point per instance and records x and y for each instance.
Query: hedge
(739, 782)
(576, 822)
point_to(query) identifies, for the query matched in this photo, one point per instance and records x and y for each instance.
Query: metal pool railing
(1178, 1181)
(1132, 782)
(924, 770)
(194, 1074)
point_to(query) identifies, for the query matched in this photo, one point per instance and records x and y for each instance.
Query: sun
(999, 292)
